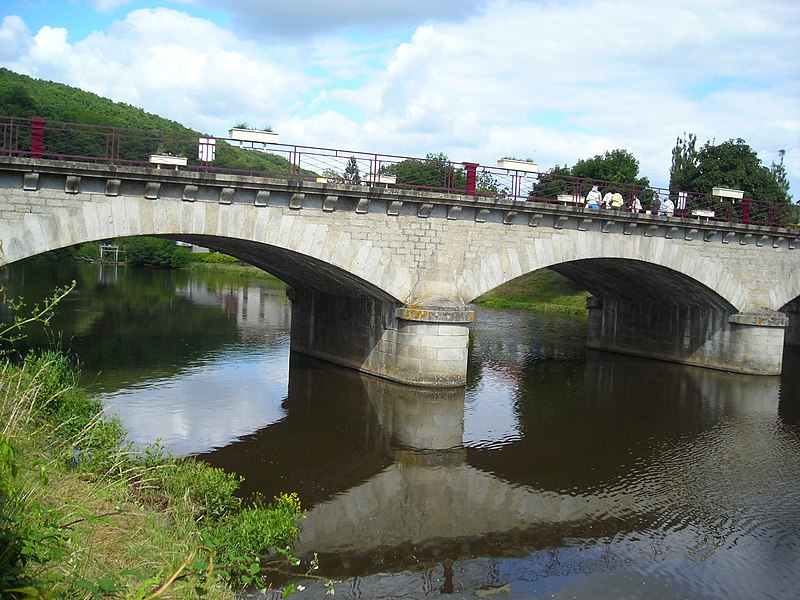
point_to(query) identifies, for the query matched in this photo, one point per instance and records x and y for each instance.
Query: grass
(83, 516)
(543, 290)
(236, 269)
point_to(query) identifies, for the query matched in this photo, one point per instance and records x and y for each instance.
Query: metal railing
(42, 138)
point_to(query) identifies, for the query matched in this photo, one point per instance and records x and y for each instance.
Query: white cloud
(14, 39)
(571, 80)
(172, 64)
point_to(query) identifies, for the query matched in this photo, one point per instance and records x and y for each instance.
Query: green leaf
(88, 586)
(108, 585)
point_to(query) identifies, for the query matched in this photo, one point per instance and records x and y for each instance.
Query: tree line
(23, 96)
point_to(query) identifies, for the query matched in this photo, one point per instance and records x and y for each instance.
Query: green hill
(23, 96)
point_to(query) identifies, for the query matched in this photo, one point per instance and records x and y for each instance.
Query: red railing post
(746, 210)
(472, 177)
(37, 137)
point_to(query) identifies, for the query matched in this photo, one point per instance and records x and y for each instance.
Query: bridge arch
(311, 255)
(647, 268)
(296, 269)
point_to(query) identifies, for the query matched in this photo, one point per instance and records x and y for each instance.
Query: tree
(435, 171)
(617, 166)
(553, 183)
(16, 101)
(486, 185)
(685, 163)
(731, 164)
(351, 172)
(155, 252)
(779, 174)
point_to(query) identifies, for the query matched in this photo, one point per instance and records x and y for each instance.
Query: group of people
(595, 201)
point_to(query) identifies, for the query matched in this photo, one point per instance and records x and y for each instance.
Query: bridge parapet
(74, 178)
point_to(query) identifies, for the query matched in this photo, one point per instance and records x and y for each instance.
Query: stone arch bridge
(381, 279)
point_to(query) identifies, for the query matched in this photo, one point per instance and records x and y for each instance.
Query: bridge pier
(792, 311)
(424, 345)
(746, 342)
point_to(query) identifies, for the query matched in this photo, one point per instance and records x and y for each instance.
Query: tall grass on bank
(215, 262)
(84, 516)
(543, 290)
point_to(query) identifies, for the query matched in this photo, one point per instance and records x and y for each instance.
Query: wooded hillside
(23, 96)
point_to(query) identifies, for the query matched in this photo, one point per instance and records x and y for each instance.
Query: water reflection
(608, 471)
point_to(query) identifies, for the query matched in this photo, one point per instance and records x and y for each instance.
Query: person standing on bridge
(593, 198)
(655, 205)
(636, 205)
(669, 207)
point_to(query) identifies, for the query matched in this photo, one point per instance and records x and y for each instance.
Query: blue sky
(556, 80)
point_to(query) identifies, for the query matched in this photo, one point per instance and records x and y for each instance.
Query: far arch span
(610, 269)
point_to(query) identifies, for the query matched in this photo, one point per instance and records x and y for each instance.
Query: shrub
(214, 258)
(208, 492)
(242, 538)
(89, 251)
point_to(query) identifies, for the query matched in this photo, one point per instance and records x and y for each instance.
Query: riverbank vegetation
(83, 514)
(543, 290)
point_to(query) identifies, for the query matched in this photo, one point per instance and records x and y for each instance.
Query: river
(556, 473)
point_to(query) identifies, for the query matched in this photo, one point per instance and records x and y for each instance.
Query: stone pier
(792, 311)
(744, 342)
(423, 344)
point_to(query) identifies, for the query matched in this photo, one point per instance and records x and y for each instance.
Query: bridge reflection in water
(630, 450)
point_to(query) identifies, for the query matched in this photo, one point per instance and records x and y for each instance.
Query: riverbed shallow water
(556, 473)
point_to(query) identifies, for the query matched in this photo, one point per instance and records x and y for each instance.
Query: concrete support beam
(749, 342)
(423, 344)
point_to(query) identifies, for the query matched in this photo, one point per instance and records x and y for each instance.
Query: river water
(556, 473)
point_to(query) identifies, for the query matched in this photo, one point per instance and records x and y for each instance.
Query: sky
(552, 80)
